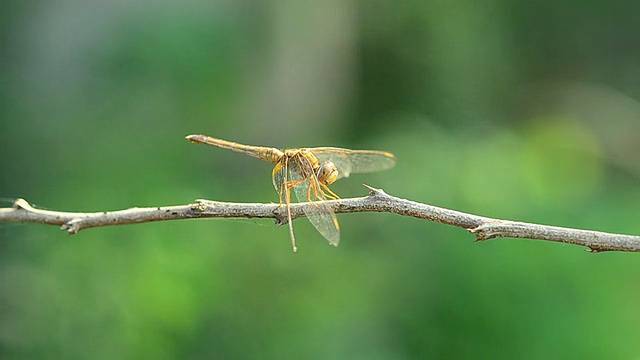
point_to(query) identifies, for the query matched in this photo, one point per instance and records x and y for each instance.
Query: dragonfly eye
(328, 173)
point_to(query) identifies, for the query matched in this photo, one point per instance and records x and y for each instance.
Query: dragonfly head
(328, 173)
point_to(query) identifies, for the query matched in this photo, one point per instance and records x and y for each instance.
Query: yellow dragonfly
(309, 172)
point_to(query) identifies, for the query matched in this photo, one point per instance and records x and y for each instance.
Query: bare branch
(483, 228)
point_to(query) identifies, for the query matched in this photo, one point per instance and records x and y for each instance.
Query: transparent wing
(279, 177)
(307, 188)
(355, 161)
(280, 182)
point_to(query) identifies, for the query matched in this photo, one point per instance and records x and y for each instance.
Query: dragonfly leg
(288, 185)
(291, 184)
(330, 194)
(280, 194)
(293, 238)
(315, 193)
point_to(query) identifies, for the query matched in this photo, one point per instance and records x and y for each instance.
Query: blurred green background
(518, 110)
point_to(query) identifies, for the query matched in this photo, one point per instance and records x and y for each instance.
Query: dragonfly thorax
(327, 173)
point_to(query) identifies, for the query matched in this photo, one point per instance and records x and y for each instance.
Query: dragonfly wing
(280, 182)
(279, 177)
(307, 189)
(355, 161)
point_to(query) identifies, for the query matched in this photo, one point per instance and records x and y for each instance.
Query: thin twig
(483, 228)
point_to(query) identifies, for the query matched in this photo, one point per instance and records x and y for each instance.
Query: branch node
(595, 249)
(71, 226)
(375, 192)
(22, 204)
(483, 232)
(280, 216)
(200, 205)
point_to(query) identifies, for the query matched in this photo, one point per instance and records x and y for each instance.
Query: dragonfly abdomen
(272, 155)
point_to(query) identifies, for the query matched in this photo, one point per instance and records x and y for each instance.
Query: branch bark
(484, 228)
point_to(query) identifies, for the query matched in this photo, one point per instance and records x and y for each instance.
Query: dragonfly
(309, 172)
